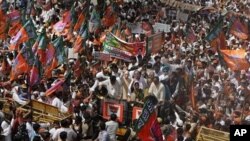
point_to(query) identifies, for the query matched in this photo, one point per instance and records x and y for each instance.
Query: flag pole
(29, 94)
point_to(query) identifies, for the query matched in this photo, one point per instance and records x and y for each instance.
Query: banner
(147, 127)
(182, 5)
(155, 42)
(136, 113)
(135, 28)
(102, 56)
(120, 49)
(239, 29)
(235, 59)
(160, 27)
(112, 107)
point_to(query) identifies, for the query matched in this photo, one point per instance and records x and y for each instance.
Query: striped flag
(239, 29)
(22, 62)
(215, 31)
(219, 42)
(60, 53)
(81, 19)
(23, 35)
(78, 44)
(14, 29)
(50, 67)
(147, 126)
(35, 72)
(54, 88)
(94, 21)
(235, 59)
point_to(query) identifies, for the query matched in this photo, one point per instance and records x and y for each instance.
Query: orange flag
(20, 66)
(14, 29)
(79, 22)
(50, 67)
(3, 25)
(235, 59)
(109, 17)
(219, 42)
(239, 29)
(78, 44)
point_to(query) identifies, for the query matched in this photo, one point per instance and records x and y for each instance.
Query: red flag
(239, 29)
(78, 44)
(48, 71)
(14, 29)
(21, 63)
(219, 42)
(20, 37)
(54, 88)
(235, 59)
(109, 18)
(79, 22)
(147, 126)
(35, 72)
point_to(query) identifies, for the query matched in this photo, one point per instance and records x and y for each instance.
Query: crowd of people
(221, 95)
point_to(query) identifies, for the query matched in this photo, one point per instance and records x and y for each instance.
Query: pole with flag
(147, 126)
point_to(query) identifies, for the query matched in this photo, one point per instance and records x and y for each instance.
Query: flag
(147, 126)
(14, 17)
(81, 19)
(35, 72)
(191, 36)
(50, 53)
(45, 50)
(50, 67)
(54, 88)
(59, 50)
(219, 42)
(109, 18)
(235, 59)
(22, 62)
(73, 15)
(4, 24)
(14, 29)
(215, 31)
(81, 38)
(23, 35)
(239, 29)
(78, 44)
(94, 21)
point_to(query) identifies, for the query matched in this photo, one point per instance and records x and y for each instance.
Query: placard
(112, 107)
(155, 42)
(161, 27)
(136, 113)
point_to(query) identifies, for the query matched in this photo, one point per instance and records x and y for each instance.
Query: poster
(161, 27)
(112, 107)
(71, 54)
(155, 42)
